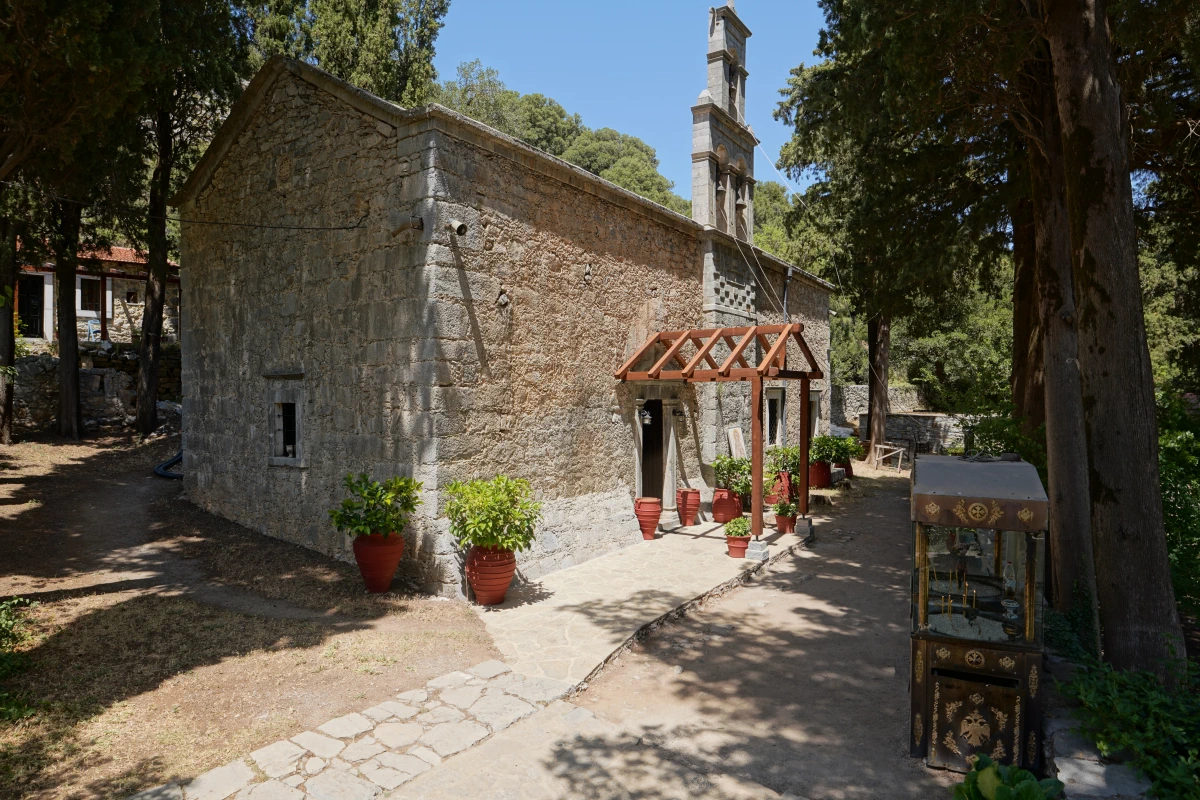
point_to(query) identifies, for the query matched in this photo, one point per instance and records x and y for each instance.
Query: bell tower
(722, 143)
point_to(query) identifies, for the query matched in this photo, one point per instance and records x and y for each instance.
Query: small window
(131, 297)
(89, 295)
(285, 433)
(285, 428)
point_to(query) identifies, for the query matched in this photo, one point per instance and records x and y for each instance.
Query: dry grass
(134, 687)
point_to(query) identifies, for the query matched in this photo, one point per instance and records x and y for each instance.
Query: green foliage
(1000, 432)
(738, 528)
(1179, 478)
(626, 161)
(785, 509)
(988, 780)
(497, 513)
(847, 343)
(477, 92)
(545, 124)
(733, 474)
(13, 633)
(375, 507)
(1131, 712)
(383, 46)
(827, 449)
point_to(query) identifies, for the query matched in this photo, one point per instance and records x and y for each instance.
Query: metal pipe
(786, 281)
(412, 223)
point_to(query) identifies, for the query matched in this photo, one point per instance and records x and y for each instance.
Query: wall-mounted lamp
(645, 417)
(456, 227)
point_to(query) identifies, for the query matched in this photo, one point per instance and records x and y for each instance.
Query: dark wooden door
(652, 450)
(29, 305)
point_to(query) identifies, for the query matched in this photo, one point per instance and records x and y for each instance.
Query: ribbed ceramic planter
(818, 475)
(785, 524)
(490, 572)
(725, 505)
(378, 556)
(687, 501)
(648, 510)
(737, 545)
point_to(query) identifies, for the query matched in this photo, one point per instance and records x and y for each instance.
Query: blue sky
(633, 66)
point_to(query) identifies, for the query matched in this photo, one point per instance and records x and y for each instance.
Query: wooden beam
(812, 362)
(773, 354)
(732, 344)
(737, 351)
(665, 375)
(672, 352)
(636, 357)
(756, 457)
(740, 331)
(805, 424)
(702, 354)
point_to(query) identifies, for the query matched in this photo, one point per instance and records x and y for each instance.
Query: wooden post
(756, 457)
(805, 425)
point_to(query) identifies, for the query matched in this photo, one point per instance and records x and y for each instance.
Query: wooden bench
(885, 451)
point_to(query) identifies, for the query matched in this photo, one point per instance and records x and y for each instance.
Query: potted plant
(821, 453)
(988, 780)
(784, 464)
(687, 502)
(737, 537)
(785, 516)
(728, 472)
(648, 510)
(495, 519)
(375, 515)
(849, 450)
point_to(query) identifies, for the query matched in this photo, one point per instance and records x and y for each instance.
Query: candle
(973, 599)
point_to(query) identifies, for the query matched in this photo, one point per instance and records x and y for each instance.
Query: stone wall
(107, 396)
(925, 432)
(429, 354)
(850, 401)
(125, 359)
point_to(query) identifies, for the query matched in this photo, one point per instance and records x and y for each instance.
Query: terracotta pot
(725, 505)
(378, 556)
(848, 467)
(647, 510)
(818, 475)
(687, 501)
(785, 524)
(737, 545)
(490, 572)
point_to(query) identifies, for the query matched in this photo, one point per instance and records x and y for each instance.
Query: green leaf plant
(988, 780)
(738, 527)
(375, 507)
(499, 513)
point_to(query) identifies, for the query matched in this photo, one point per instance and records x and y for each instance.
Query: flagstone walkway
(568, 624)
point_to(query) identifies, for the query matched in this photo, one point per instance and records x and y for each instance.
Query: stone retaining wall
(850, 401)
(925, 431)
(106, 395)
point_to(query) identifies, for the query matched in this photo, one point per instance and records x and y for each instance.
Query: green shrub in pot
(499, 513)
(988, 780)
(825, 449)
(375, 507)
(738, 528)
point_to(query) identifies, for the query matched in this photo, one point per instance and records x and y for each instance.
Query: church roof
(453, 124)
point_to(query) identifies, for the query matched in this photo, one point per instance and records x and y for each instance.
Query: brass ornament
(1017, 726)
(976, 698)
(1025, 515)
(951, 745)
(1031, 748)
(1007, 663)
(918, 729)
(977, 512)
(998, 752)
(933, 509)
(960, 511)
(952, 709)
(937, 693)
(975, 729)
(1001, 719)
(997, 513)
(1034, 679)
(943, 653)
(974, 659)
(919, 666)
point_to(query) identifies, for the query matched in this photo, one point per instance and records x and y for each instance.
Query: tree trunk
(1027, 367)
(156, 281)
(879, 341)
(8, 311)
(67, 220)
(1070, 547)
(1133, 579)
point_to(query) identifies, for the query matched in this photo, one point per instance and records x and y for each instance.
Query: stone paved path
(564, 626)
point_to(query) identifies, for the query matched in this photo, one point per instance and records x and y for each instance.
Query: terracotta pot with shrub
(849, 451)
(785, 516)
(821, 455)
(648, 511)
(737, 537)
(493, 520)
(733, 481)
(375, 515)
(687, 501)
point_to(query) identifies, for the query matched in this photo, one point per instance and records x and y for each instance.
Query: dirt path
(797, 681)
(167, 641)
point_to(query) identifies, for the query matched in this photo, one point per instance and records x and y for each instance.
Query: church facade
(374, 289)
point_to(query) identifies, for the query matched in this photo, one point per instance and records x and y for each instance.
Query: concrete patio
(566, 625)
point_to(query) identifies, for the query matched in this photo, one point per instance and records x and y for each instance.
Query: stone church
(368, 288)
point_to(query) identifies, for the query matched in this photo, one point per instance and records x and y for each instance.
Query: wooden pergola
(692, 356)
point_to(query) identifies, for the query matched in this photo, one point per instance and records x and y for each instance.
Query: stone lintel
(729, 55)
(732, 126)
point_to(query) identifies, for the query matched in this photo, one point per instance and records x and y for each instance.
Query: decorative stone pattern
(363, 757)
(430, 354)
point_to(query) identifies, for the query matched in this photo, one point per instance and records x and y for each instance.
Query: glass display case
(978, 548)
